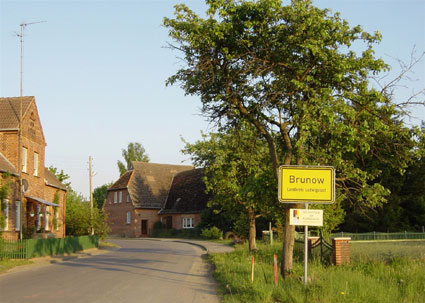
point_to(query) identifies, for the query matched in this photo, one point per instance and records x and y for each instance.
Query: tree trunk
(252, 230)
(288, 243)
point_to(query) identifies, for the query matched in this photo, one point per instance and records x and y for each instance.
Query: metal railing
(13, 249)
(374, 236)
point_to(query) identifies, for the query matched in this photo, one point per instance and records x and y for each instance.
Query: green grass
(7, 264)
(397, 277)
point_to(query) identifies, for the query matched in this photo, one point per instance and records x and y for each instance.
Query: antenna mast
(21, 36)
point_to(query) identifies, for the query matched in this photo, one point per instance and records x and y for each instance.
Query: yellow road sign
(306, 184)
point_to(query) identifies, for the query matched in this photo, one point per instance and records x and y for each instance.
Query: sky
(97, 69)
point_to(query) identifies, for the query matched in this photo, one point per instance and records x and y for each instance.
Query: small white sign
(306, 217)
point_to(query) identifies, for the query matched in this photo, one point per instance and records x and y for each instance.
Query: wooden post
(275, 268)
(252, 269)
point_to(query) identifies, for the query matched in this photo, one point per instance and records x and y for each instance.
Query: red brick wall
(151, 215)
(33, 140)
(178, 219)
(341, 251)
(116, 214)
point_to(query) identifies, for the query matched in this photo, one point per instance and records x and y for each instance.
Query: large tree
(237, 173)
(292, 73)
(134, 152)
(99, 195)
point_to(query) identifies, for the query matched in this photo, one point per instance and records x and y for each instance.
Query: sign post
(306, 184)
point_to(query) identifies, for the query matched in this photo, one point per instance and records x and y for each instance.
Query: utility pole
(21, 196)
(91, 175)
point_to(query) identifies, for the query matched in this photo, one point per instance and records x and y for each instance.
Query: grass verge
(7, 264)
(382, 278)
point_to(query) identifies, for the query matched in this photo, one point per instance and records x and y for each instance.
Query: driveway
(140, 271)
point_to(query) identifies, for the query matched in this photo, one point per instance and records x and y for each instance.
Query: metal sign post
(305, 249)
(306, 184)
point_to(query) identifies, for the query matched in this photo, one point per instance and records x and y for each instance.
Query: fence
(30, 248)
(372, 236)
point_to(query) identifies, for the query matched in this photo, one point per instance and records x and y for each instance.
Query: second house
(172, 194)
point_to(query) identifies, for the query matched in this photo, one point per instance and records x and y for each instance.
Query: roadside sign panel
(306, 217)
(307, 184)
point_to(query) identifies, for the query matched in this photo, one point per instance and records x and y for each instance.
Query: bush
(212, 233)
(157, 225)
(190, 233)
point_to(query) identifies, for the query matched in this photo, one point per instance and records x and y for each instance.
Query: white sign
(306, 217)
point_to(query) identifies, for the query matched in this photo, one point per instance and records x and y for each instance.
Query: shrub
(212, 233)
(157, 225)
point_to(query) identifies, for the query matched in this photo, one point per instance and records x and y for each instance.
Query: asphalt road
(140, 271)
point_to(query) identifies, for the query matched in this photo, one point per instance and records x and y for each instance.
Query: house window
(36, 164)
(5, 208)
(120, 197)
(115, 197)
(57, 218)
(46, 218)
(18, 216)
(110, 199)
(38, 217)
(128, 197)
(24, 159)
(187, 222)
(128, 217)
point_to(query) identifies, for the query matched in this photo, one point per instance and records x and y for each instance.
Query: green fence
(373, 236)
(30, 248)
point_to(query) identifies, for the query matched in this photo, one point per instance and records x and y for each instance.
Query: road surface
(141, 270)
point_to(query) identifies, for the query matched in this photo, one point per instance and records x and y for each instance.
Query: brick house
(42, 207)
(185, 201)
(152, 192)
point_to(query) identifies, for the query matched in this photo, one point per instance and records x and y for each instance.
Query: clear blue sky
(98, 70)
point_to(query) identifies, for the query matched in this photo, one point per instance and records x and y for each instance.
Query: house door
(144, 228)
(169, 222)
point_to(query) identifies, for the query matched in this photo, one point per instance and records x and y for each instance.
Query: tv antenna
(21, 185)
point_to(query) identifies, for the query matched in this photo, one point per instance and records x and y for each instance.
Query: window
(110, 199)
(128, 217)
(187, 222)
(57, 218)
(24, 159)
(128, 197)
(46, 218)
(5, 208)
(38, 217)
(18, 216)
(115, 197)
(36, 164)
(120, 197)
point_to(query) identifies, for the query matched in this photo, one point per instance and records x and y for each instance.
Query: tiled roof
(9, 111)
(187, 193)
(122, 182)
(150, 183)
(51, 180)
(6, 166)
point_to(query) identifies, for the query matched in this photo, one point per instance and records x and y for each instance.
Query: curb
(194, 244)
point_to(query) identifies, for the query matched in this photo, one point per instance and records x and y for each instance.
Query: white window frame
(128, 217)
(115, 197)
(5, 209)
(35, 164)
(128, 197)
(120, 197)
(46, 218)
(18, 215)
(188, 223)
(24, 159)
